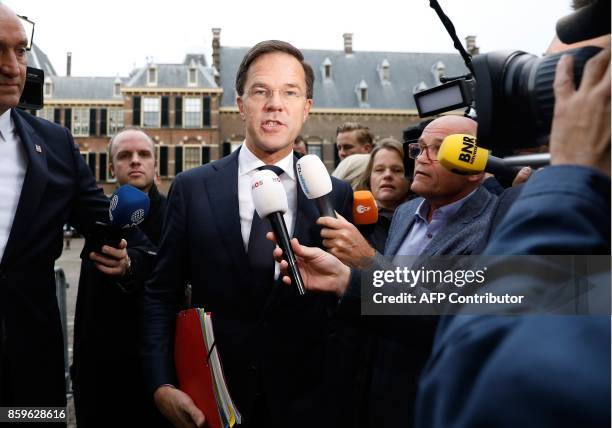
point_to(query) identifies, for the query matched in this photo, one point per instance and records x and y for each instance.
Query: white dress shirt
(247, 166)
(13, 166)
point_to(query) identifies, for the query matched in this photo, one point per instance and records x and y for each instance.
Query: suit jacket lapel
(397, 237)
(223, 197)
(34, 185)
(470, 210)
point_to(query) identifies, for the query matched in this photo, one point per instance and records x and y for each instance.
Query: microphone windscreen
(268, 193)
(460, 154)
(313, 177)
(128, 207)
(365, 210)
(585, 23)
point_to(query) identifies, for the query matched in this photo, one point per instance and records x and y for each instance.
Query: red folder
(192, 366)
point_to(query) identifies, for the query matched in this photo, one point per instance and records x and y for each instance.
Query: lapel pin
(38, 148)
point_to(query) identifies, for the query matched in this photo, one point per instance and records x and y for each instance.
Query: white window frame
(80, 128)
(195, 147)
(111, 112)
(48, 88)
(386, 73)
(46, 113)
(198, 123)
(144, 111)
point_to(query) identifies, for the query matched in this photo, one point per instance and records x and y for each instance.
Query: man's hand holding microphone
(105, 245)
(340, 237)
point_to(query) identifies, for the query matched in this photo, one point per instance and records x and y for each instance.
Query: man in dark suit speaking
(44, 183)
(272, 342)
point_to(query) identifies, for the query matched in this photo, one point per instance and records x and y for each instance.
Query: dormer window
(117, 87)
(193, 79)
(192, 74)
(326, 69)
(438, 70)
(421, 86)
(152, 75)
(384, 70)
(48, 87)
(362, 92)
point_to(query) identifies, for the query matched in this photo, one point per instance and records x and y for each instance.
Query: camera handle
(450, 28)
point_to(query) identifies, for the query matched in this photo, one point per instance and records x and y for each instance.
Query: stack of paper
(199, 370)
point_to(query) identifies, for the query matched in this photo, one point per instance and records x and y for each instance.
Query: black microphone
(585, 23)
(270, 202)
(128, 208)
(534, 160)
(316, 183)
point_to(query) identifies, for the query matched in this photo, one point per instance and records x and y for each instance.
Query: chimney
(216, 53)
(68, 63)
(470, 45)
(348, 43)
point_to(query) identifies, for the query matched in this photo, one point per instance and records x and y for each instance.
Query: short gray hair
(130, 128)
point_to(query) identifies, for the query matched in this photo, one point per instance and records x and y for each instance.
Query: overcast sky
(111, 37)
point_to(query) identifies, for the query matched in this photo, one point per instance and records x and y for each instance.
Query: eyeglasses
(262, 94)
(415, 150)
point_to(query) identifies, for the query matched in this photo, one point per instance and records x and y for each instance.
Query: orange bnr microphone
(365, 210)
(460, 154)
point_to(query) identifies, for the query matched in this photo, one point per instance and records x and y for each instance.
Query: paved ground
(70, 262)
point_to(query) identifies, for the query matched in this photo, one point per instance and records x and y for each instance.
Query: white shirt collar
(248, 162)
(6, 125)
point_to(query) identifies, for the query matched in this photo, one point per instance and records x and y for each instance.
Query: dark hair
(579, 4)
(363, 134)
(388, 144)
(271, 46)
(299, 139)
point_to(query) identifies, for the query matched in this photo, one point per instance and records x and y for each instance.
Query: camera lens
(515, 98)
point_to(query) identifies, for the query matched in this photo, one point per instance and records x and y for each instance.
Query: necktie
(260, 249)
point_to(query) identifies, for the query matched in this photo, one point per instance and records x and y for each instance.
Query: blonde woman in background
(384, 177)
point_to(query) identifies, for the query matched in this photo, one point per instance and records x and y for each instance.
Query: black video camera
(512, 92)
(32, 97)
